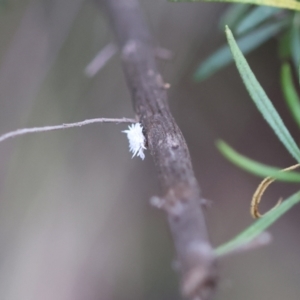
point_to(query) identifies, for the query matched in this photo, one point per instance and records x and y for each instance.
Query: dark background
(75, 219)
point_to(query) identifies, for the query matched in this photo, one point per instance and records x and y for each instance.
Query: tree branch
(181, 200)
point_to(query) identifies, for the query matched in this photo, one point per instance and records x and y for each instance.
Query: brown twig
(181, 200)
(105, 54)
(23, 131)
(163, 53)
(100, 60)
(256, 198)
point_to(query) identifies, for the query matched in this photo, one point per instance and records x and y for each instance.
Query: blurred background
(75, 219)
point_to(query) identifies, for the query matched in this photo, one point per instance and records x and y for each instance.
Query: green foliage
(259, 226)
(290, 93)
(254, 167)
(247, 43)
(284, 49)
(255, 17)
(289, 4)
(295, 42)
(253, 27)
(268, 111)
(265, 106)
(233, 15)
(260, 98)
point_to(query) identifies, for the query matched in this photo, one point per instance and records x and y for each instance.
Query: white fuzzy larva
(136, 140)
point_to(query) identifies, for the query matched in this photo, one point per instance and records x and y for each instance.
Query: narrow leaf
(255, 17)
(247, 43)
(289, 4)
(295, 45)
(284, 49)
(261, 100)
(254, 167)
(290, 93)
(259, 226)
(233, 14)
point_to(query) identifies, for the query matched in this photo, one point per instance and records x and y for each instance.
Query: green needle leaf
(255, 17)
(284, 49)
(254, 167)
(260, 98)
(295, 45)
(247, 43)
(259, 226)
(290, 93)
(233, 14)
(289, 4)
